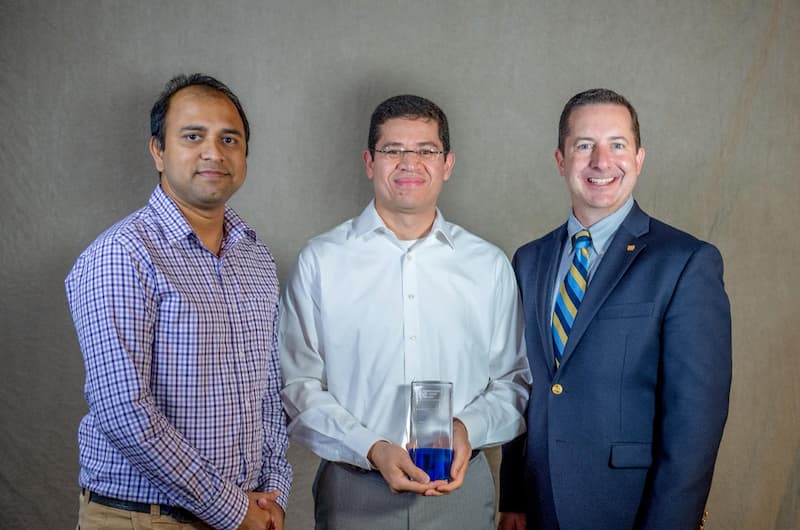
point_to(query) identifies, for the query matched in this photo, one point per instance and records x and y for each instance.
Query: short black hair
(158, 113)
(407, 106)
(596, 96)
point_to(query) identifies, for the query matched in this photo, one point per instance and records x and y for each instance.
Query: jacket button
(557, 389)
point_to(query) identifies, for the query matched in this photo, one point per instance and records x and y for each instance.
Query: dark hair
(407, 106)
(596, 96)
(158, 113)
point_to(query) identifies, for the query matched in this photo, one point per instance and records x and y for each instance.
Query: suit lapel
(621, 253)
(544, 284)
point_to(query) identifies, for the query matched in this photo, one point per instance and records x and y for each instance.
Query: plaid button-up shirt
(182, 374)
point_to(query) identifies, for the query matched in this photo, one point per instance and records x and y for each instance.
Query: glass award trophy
(431, 433)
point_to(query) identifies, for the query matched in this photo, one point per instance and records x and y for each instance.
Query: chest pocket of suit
(631, 455)
(643, 309)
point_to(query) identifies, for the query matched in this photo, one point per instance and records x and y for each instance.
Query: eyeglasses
(396, 154)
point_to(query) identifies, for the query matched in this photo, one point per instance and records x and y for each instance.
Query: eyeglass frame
(425, 153)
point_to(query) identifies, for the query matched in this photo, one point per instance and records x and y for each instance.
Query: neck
(208, 225)
(587, 219)
(407, 226)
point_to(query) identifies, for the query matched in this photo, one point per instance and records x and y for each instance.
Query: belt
(179, 514)
(351, 467)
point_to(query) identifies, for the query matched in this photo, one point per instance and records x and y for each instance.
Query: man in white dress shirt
(396, 295)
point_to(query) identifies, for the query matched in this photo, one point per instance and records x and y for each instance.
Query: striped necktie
(571, 292)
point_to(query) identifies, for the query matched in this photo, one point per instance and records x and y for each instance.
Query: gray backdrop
(717, 85)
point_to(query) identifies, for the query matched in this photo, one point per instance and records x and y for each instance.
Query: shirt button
(412, 338)
(411, 297)
(557, 389)
(409, 257)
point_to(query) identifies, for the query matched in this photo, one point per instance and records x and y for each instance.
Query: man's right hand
(396, 467)
(258, 518)
(511, 521)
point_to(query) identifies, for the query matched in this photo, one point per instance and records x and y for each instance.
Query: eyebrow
(200, 128)
(419, 144)
(610, 138)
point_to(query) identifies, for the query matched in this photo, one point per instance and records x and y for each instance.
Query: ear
(639, 160)
(366, 156)
(449, 162)
(560, 161)
(157, 153)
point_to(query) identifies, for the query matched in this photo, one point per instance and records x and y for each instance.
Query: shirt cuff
(360, 441)
(282, 484)
(477, 429)
(228, 509)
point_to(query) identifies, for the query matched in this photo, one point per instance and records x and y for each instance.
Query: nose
(211, 150)
(409, 159)
(601, 158)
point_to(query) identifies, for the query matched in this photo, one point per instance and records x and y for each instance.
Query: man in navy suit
(629, 401)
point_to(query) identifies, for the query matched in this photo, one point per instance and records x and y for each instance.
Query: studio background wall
(717, 86)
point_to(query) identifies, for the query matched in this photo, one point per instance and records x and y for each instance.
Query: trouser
(346, 498)
(94, 516)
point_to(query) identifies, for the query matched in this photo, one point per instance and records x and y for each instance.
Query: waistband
(181, 515)
(351, 467)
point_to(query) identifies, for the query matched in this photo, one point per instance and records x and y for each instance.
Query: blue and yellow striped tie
(571, 292)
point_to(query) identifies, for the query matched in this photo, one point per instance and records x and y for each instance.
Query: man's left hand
(462, 450)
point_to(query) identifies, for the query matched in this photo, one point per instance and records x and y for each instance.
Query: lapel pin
(631, 247)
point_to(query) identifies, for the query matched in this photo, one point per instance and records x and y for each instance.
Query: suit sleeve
(693, 395)
(513, 497)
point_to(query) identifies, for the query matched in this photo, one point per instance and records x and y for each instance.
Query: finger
(265, 499)
(459, 468)
(456, 480)
(449, 488)
(406, 485)
(414, 473)
(512, 521)
(406, 469)
(276, 521)
(433, 490)
(400, 483)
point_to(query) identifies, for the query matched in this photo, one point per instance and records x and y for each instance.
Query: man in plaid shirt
(175, 308)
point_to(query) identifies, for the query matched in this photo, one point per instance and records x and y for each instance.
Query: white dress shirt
(362, 316)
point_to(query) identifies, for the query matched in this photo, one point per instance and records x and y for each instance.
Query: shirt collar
(603, 230)
(369, 222)
(176, 227)
(236, 228)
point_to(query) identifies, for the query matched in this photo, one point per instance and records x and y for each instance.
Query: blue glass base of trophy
(434, 461)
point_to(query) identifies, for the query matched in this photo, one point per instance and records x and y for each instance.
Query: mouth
(212, 173)
(601, 181)
(404, 182)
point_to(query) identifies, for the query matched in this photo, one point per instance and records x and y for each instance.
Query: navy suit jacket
(625, 434)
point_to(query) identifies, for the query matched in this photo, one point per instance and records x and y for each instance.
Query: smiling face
(408, 186)
(202, 162)
(600, 162)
